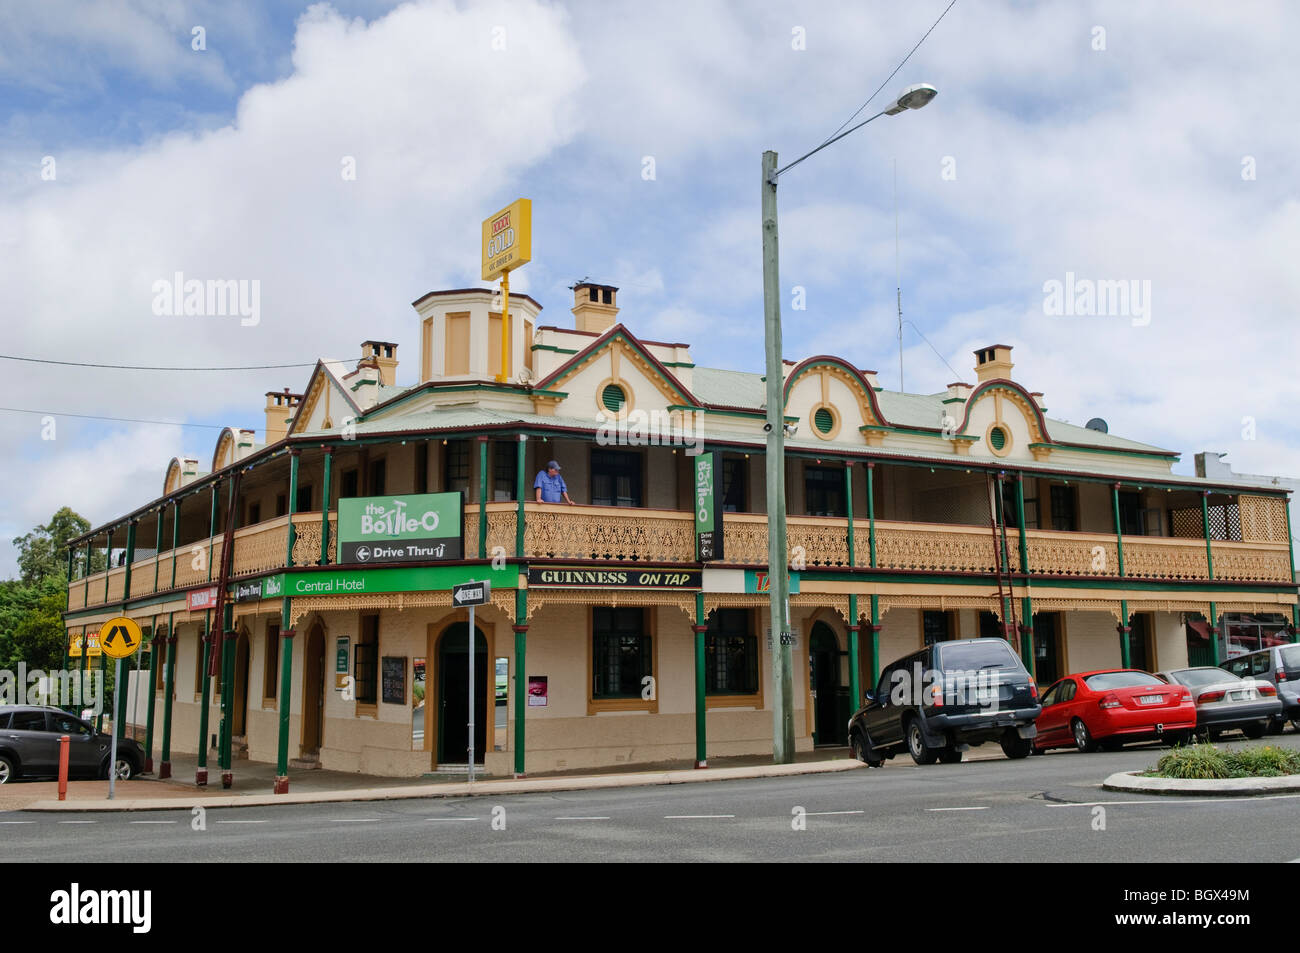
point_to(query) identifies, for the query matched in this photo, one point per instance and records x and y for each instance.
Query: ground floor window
(621, 653)
(935, 627)
(271, 666)
(731, 654)
(365, 669)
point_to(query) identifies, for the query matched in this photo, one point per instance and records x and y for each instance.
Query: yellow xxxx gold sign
(508, 238)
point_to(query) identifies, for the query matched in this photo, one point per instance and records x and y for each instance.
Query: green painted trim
(130, 558)
(521, 491)
(1169, 455)
(363, 383)
(206, 696)
(871, 513)
(482, 497)
(848, 500)
(292, 535)
(325, 511)
(855, 679)
(677, 363)
(1125, 636)
(521, 677)
(430, 388)
(875, 641)
(1209, 552)
(954, 400)
(286, 689)
(701, 702)
(1027, 637)
(169, 684)
(176, 525)
(1119, 533)
(1214, 632)
(157, 554)
(552, 347)
(153, 680)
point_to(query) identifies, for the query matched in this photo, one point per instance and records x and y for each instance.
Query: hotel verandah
(1091, 554)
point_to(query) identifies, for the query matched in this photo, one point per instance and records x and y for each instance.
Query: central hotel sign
(624, 577)
(426, 527)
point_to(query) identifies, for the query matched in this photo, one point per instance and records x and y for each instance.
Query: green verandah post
(482, 497)
(169, 689)
(875, 599)
(155, 646)
(701, 735)
(286, 643)
(201, 772)
(521, 676)
(325, 510)
(1026, 604)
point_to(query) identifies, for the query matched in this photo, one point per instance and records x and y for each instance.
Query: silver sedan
(1225, 701)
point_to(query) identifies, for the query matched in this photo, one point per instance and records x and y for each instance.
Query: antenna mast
(898, 273)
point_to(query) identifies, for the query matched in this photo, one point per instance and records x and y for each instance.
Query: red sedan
(1113, 707)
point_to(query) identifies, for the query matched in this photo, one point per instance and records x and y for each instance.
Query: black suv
(939, 701)
(29, 746)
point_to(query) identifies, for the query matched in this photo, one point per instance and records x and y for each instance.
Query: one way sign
(471, 593)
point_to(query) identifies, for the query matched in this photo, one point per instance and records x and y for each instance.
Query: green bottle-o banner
(425, 527)
(708, 515)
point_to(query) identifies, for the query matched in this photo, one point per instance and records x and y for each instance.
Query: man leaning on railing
(550, 485)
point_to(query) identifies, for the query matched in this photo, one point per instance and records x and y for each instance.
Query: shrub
(1207, 761)
(1198, 761)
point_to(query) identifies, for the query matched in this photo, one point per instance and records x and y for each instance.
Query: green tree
(40, 637)
(43, 553)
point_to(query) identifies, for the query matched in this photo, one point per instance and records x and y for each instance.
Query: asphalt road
(1039, 809)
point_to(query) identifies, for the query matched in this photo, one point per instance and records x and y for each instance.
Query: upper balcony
(624, 534)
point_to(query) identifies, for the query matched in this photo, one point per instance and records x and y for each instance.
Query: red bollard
(63, 767)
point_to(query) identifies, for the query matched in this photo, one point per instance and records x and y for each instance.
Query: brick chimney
(993, 362)
(280, 407)
(384, 355)
(595, 307)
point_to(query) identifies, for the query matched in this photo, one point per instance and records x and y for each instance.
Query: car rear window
(974, 655)
(1197, 677)
(1290, 656)
(1108, 680)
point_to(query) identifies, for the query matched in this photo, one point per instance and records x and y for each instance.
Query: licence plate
(1151, 699)
(1241, 696)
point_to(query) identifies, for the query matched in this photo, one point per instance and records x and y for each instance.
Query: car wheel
(125, 769)
(8, 771)
(1176, 739)
(860, 744)
(921, 752)
(950, 755)
(1295, 722)
(1013, 746)
(1254, 731)
(1215, 734)
(1082, 736)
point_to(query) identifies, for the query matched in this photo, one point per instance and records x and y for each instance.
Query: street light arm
(772, 179)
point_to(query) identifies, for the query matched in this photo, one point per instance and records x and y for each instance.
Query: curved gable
(224, 454)
(831, 387)
(172, 478)
(1003, 405)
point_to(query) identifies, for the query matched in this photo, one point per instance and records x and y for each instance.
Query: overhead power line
(891, 75)
(143, 367)
(123, 420)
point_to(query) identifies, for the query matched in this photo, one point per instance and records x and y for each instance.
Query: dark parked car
(29, 746)
(1279, 665)
(939, 701)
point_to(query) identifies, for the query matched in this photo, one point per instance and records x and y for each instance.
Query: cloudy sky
(1154, 143)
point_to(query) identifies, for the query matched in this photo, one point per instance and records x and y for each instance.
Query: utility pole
(777, 564)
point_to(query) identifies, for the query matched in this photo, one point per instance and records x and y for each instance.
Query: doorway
(313, 691)
(1047, 648)
(453, 694)
(1140, 654)
(824, 661)
(239, 717)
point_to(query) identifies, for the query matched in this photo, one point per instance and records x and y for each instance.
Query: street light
(913, 97)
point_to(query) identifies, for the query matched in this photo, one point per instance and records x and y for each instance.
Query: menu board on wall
(393, 679)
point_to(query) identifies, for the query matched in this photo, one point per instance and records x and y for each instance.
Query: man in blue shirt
(550, 485)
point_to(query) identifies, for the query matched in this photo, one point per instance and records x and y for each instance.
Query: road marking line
(354, 820)
(695, 817)
(76, 822)
(242, 822)
(151, 822)
(582, 818)
(982, 808)
(17, 822)
(830, 813)
(451, 818)
(1161, 801)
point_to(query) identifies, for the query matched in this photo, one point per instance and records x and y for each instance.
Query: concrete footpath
(253, 784)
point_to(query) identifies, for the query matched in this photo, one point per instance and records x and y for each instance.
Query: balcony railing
(554, 531)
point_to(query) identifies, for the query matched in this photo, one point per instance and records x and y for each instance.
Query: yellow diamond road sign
(120, 637)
